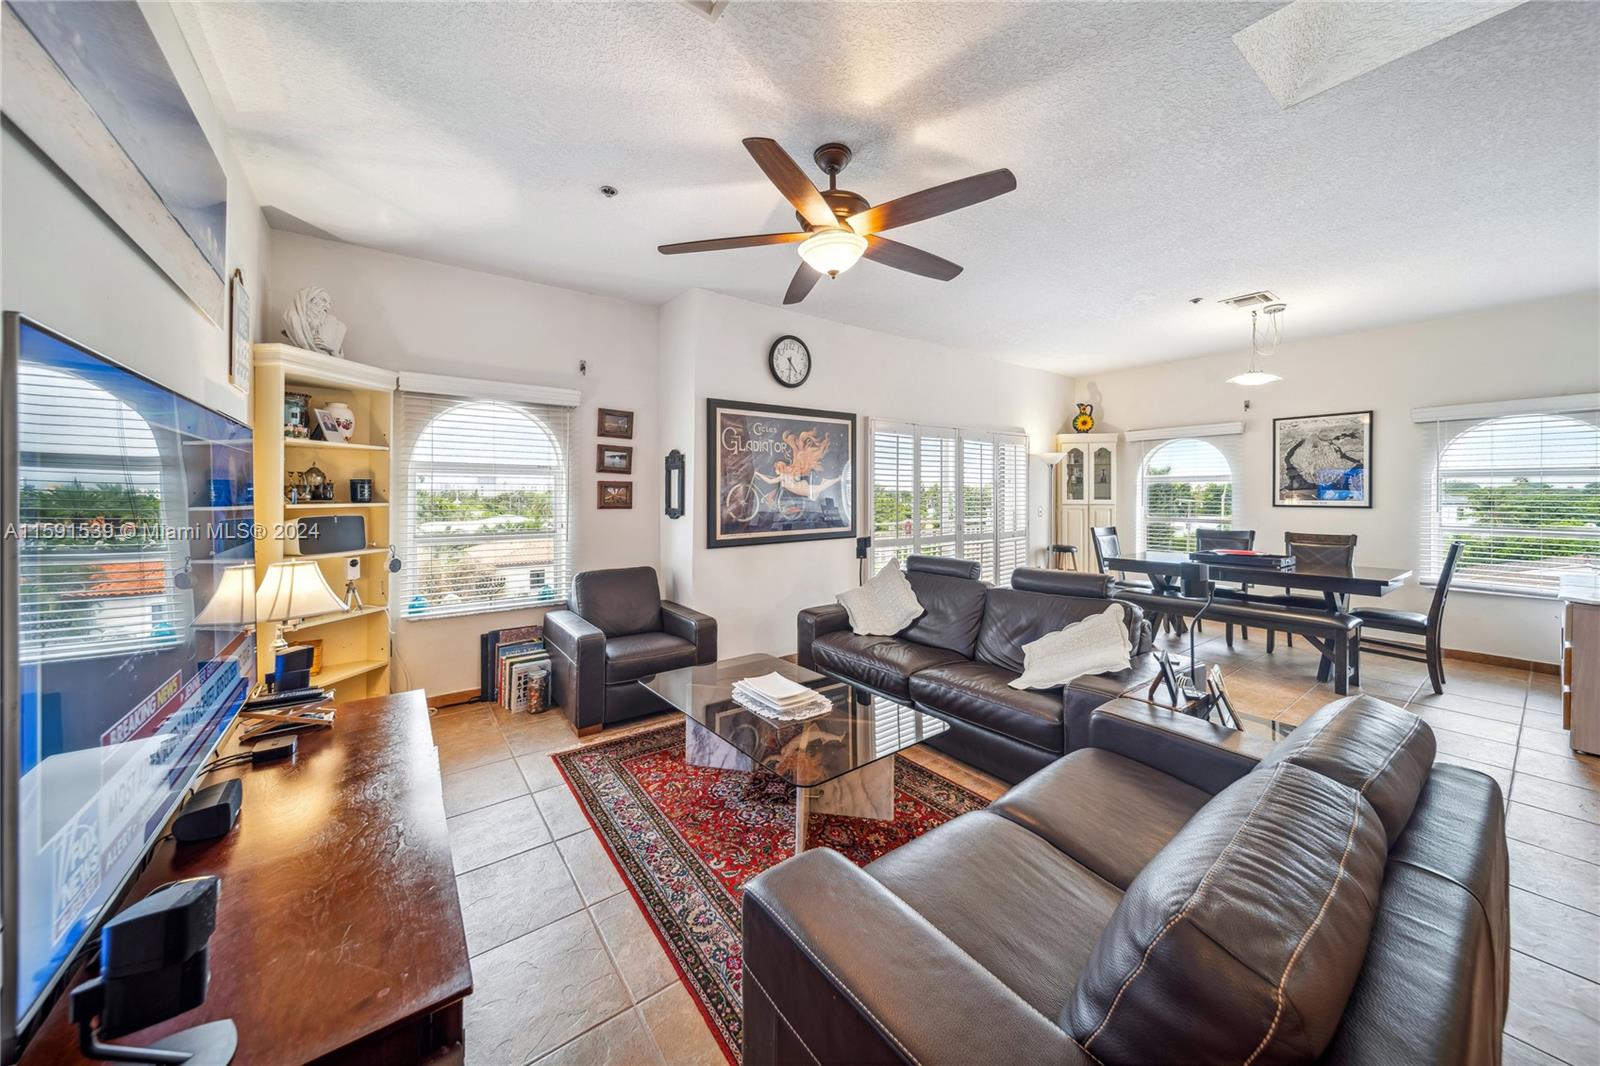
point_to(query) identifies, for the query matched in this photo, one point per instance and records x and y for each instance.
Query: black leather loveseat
(1159, 896)
(955, 660)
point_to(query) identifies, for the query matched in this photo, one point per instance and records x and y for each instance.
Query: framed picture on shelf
(614, 423)
(615, 495)
(1322, 460)
(778, 474)
(613, 459)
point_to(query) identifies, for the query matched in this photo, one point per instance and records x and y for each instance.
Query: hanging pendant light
(1258, 353)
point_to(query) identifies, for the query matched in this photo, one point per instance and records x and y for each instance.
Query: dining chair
(1108, 545)
(1324, 551)
(1234, 540)
(1430, 626)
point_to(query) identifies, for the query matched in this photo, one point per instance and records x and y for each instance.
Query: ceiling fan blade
(800, 286)
(786, 174)
(939, 200)
(904, 257)
(719, 243)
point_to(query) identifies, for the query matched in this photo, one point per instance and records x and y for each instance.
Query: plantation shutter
(949, 492)
(1521, 490)
(485, 503)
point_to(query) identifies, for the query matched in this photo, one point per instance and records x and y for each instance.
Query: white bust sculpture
(308, 322)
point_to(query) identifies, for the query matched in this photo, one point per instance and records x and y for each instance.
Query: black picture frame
(752, 474)
(1302, 491)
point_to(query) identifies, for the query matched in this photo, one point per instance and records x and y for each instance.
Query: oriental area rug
(686, 839)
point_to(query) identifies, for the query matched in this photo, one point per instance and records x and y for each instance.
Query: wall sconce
(673, 493)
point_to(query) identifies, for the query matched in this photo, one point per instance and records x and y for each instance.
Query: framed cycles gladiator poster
(778, 474)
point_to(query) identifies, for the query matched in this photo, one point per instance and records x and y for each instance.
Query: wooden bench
(1336, 636)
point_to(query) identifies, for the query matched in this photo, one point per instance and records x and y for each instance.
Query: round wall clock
(790, 361)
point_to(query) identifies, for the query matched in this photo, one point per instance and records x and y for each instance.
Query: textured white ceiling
(1153, 164)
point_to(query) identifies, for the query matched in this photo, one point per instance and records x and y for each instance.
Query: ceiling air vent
(1251, 299)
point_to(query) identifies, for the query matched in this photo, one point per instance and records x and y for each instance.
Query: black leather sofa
(1164, 894)
(955, 660)
(618, 632)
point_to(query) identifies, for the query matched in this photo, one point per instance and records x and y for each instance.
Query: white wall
(1540, 348)
(64, 263)
(409, 314)
(721, 344)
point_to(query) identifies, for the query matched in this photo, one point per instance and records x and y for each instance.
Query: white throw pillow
(883, 606)
(1095, 645)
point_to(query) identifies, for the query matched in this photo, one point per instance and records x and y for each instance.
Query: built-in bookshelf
(355, 645)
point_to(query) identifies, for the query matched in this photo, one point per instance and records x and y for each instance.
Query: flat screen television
(123, 503)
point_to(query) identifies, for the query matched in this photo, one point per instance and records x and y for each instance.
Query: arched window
(1184, 485)
(91, 464)
(1523, 493)
(485, 505)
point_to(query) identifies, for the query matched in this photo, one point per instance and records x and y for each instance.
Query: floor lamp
(1051, 460)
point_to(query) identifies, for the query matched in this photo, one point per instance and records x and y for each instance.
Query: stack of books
(775, 696)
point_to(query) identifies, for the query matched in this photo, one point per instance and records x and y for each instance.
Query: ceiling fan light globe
(833, 251)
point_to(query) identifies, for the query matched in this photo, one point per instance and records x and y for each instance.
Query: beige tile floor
(566, 969)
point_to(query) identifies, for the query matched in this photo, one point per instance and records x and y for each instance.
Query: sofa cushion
(883, 663)
(1012, 619)
(1024, 911)
(982, 694)
(1241, 940)
(618, 602)
(952, 611)
(644, 654)
(883, 606)
(1098, 644)
(1380, 750)
(1107, 812)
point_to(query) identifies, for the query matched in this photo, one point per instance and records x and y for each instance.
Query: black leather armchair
(619, 632)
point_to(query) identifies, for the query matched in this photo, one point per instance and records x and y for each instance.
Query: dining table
(1337, 584)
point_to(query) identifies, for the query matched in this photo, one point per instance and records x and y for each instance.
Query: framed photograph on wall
(1322, 460)
(778, 474)
(612, 423)
(614, 495)
(613, 459)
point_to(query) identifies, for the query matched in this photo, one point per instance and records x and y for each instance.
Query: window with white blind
(952, 492)
(1521, 492)
(1184, 485)
(92, 464)
(485, 504)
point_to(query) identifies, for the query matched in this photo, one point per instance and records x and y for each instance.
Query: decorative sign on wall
(777, 474)
(1322, 460)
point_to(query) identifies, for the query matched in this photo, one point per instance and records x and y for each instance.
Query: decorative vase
(345, 418)
(1084, 422)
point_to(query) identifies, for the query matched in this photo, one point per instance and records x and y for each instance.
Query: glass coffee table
(838, 762)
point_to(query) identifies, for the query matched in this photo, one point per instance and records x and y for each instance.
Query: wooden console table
(339, 933)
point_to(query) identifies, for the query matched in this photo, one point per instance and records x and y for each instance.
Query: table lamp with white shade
(293, 590)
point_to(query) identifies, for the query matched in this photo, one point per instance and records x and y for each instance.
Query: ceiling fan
(839, 227)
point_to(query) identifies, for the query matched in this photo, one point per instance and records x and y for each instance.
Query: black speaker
(863, 544)
(209, 814)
